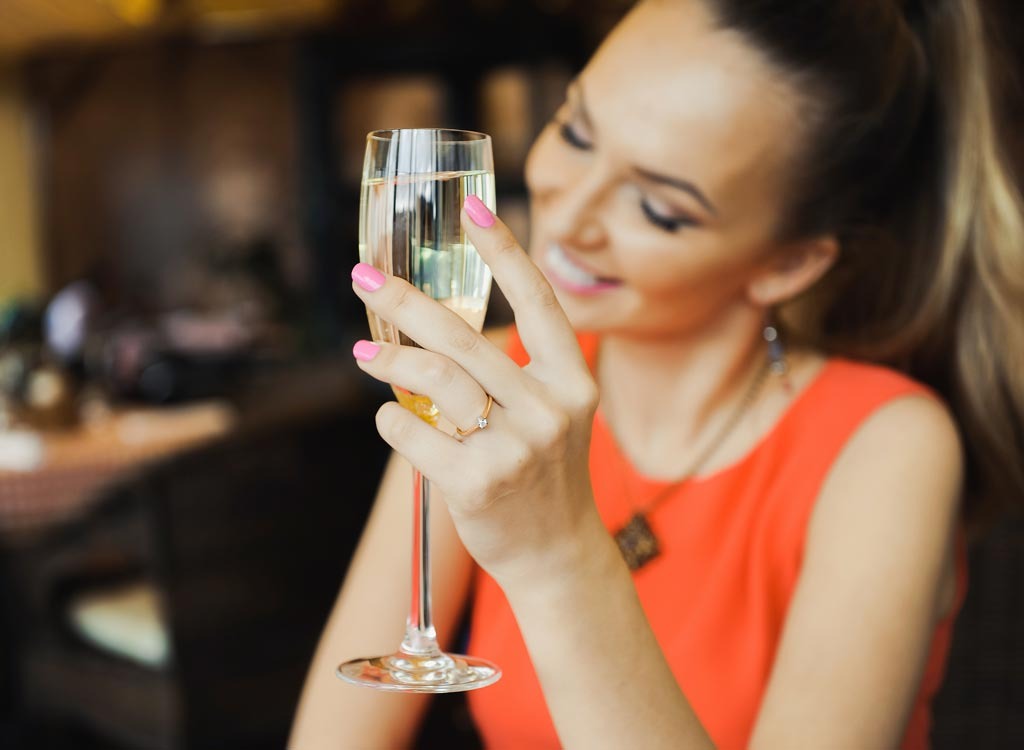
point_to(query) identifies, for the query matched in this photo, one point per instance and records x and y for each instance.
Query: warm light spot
(137, 12)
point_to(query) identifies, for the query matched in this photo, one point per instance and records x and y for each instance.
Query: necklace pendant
(637, 542)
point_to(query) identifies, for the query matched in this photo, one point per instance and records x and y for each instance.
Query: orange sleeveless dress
(731, 546)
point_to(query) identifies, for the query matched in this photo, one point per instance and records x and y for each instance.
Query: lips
(569, 274)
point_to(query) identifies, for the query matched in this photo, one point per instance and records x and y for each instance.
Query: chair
(981, 703)
(232, 553)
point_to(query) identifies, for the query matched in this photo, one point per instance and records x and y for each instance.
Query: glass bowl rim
(387, 134)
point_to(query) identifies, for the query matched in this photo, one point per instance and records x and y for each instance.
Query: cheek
(697, 265)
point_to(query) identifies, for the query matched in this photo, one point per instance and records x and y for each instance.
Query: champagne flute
(414, 183)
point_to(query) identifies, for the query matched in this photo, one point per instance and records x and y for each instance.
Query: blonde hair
(906, 165)
(982, 264)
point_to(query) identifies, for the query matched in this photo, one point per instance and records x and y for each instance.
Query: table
(73, 465)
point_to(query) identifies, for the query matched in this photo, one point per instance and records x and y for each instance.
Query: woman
(722, 171)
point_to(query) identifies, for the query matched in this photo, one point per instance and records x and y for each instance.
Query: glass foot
(409, 673)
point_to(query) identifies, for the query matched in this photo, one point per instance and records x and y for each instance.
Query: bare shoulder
(917, 432)
(901, 471)
(498, 335)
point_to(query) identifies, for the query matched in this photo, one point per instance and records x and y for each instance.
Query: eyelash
(663, 222)
(669, 225)
(572, 138)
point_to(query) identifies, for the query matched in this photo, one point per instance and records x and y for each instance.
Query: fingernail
(478, 212)
(365, 350)
(368, 277)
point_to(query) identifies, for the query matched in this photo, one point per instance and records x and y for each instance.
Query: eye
(667, 223)
(573, 138)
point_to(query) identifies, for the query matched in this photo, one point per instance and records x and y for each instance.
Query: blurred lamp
(67, 319)
(137, 12)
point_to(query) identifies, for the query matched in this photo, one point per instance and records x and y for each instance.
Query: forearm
(369, 619)
(604, 677)
(332, 715)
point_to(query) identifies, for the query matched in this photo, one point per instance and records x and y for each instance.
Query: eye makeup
(568, 130)
(668, 223)
(570, 136)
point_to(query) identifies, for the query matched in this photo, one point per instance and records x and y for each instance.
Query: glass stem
(420, 637)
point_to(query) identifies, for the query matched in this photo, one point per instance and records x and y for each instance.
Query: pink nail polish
(365, 350)
(368, 277)
(478, 212)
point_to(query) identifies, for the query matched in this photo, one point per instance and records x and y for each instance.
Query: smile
(569, 275)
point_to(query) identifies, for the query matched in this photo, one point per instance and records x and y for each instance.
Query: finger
(428, 449)
(435, 327)
(453, 391)
(543, 326)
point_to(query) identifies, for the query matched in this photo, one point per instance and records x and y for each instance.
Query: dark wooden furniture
(246, 539)
(981, 703)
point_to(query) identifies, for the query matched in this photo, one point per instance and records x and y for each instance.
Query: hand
(519, 490)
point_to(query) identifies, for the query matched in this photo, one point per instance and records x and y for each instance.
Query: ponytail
(980, 254)
(904, 164)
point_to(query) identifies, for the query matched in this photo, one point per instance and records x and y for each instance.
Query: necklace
(636, 540)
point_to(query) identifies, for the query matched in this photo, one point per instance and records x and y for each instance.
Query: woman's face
(656, 188)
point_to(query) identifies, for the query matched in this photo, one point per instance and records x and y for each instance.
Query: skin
(680, 339)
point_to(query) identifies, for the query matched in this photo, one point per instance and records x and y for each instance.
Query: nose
(574, 215)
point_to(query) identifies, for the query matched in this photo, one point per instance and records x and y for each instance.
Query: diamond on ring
(481, 421)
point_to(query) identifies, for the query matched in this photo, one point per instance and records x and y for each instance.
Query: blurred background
(180, 418)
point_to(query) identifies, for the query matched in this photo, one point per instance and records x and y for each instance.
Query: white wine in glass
(414, 183)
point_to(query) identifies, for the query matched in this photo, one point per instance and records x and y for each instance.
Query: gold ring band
(481, 421)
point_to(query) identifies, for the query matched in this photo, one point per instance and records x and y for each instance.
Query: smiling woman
(763, 382)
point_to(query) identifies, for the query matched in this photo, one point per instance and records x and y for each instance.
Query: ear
(794, 270)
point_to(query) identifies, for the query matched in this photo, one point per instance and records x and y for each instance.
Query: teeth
(569, 271)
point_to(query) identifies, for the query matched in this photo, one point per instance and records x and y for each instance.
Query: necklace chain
(748, 397)
(636, 540)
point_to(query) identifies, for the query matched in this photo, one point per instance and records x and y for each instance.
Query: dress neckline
(654, 484)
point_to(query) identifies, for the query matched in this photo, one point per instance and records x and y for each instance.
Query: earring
(776, 352)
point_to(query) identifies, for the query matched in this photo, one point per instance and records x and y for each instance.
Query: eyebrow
(684, 185)
(680, 184)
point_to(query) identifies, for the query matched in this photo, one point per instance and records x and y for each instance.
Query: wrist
(587, 560)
